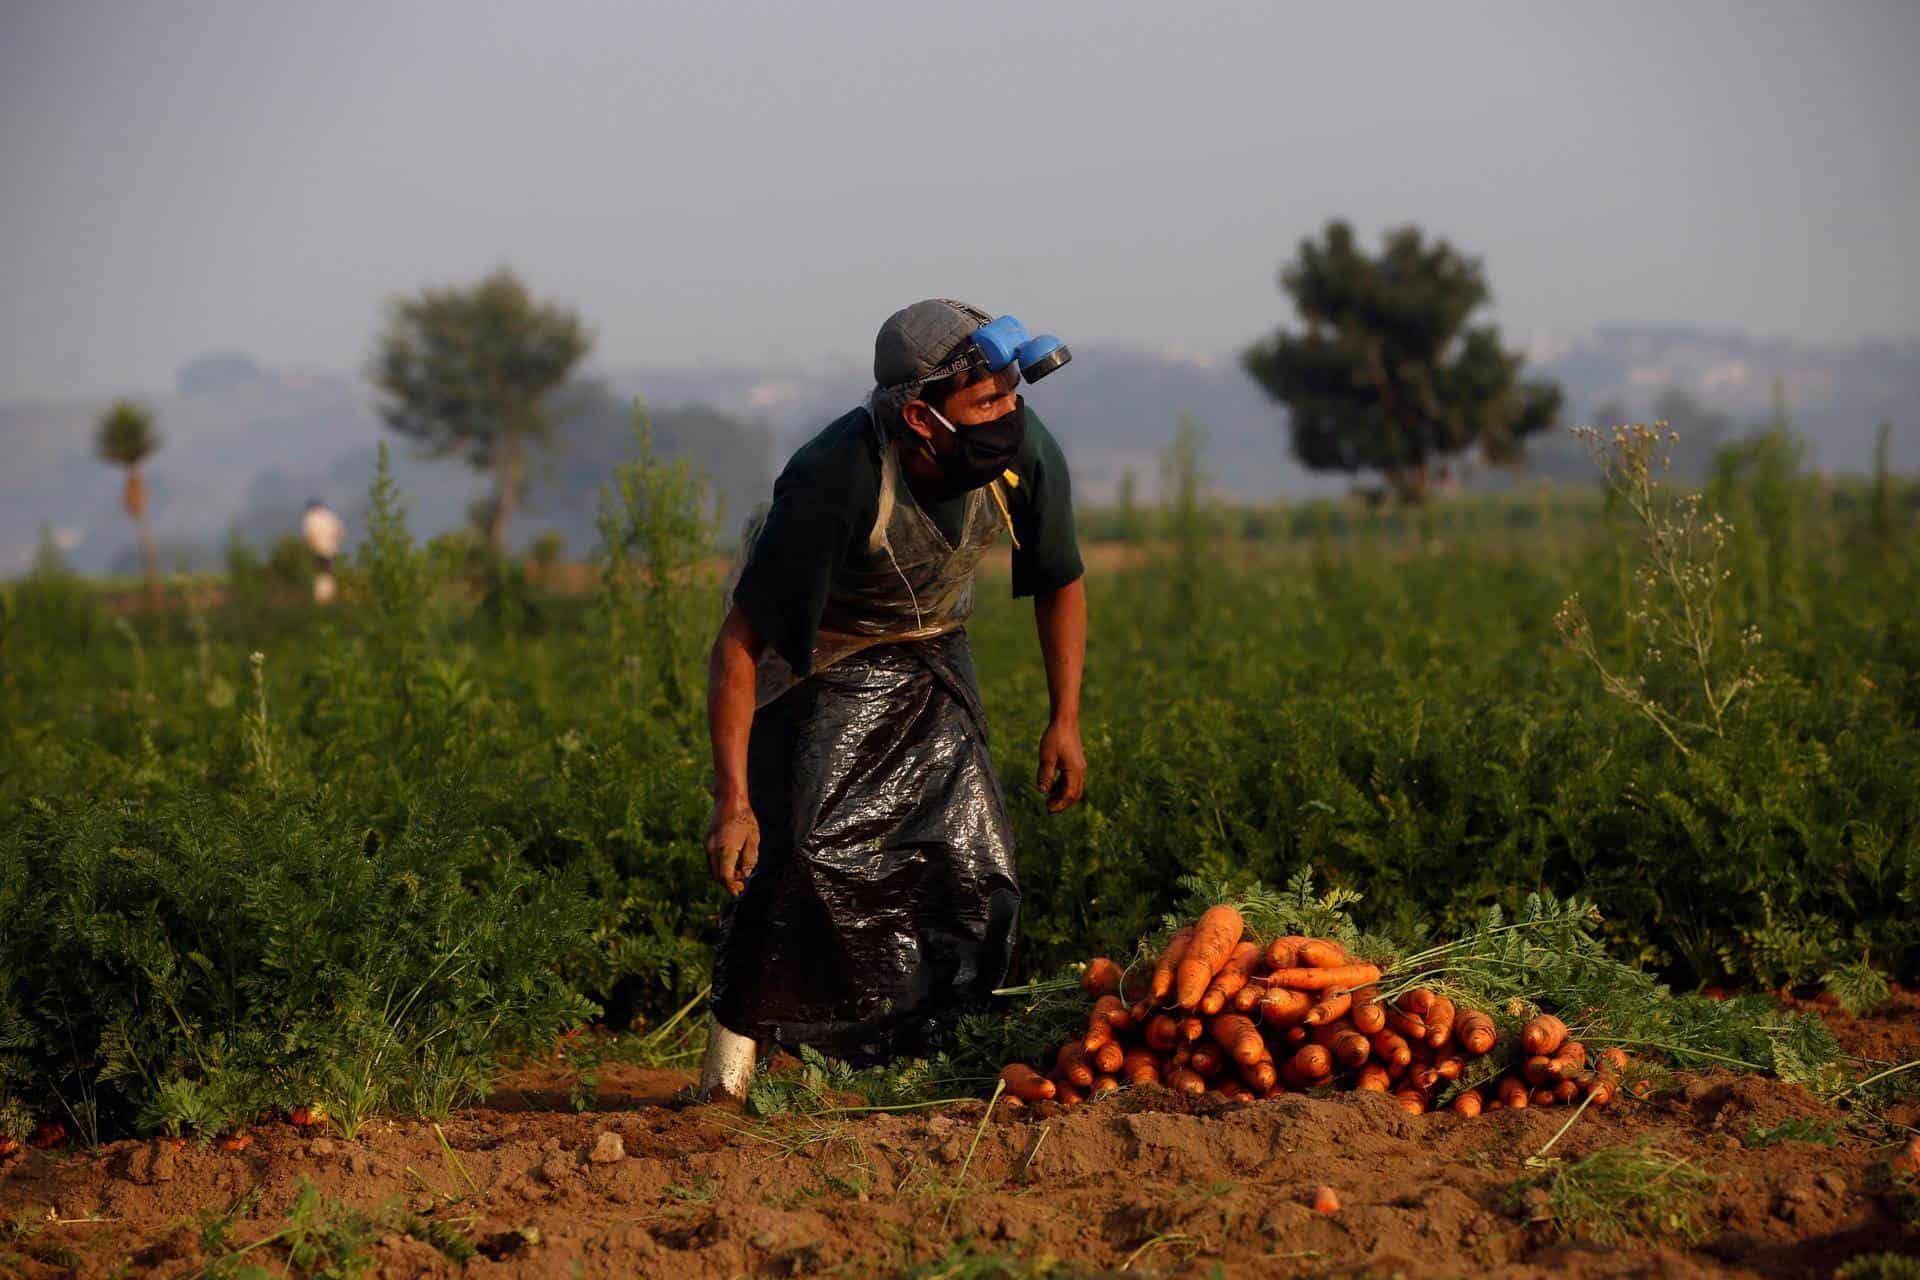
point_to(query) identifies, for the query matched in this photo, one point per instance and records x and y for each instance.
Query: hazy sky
(738, 182)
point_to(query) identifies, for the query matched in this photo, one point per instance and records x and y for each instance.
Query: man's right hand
(733, 843)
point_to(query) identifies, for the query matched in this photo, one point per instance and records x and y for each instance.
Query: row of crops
(254, 854)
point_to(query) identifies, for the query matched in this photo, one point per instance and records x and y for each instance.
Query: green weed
(1618, 1196)
(1799, 1129)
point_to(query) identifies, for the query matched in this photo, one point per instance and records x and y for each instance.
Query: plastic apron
(884, 902)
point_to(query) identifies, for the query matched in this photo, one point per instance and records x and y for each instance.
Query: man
(323, 533)
(856, 816)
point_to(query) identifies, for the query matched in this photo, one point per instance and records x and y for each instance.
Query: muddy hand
(1063, 766)
(733, 845)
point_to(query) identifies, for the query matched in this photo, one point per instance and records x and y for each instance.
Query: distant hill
(246, 445)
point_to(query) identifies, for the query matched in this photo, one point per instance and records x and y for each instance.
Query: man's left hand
(1063, 766)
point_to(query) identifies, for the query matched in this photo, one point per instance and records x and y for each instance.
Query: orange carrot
(1323, 953)
(1139, 1012)
(1373, 1078)
(1233, 975)
(1600, 1090)
(1101, 977)
(1310, 1065)
(1566, 1091)
(1162, 1033)
(1284, 952)
(1416, 1001)
(1410, 1025)
(1247, 998)
(1412, 1101)
(1186, 1080)
(1236, 1033)
(1108, 1057)
(1192, 1028)
(1494, 1104)
(1260, 1076)
(1538, 1071)
(1296, 1034)
(1107, 1017)
(1331, 1009)
(1325, 1201)
(1104, 1084)
(1339, 978)
(1026, 1084)
(1467, 1103)
(1422, 1076)
(1163, 969)
(1284, 1007)
(1543, 1035)
(1137, 982)
(1570, 1059)
(1233, 1091)
(1071, 1065)
(1139, 1067)
(1214, 937)
(1208, 1059)
(1542, 1097)
(1449, 1065)
(1613, 1058)
(1474, 1032)
(1439, 1018)
(1512, 1092)
(1348, 1047)
(1368, 1015)
(1067, 1096)
(1392, 1049)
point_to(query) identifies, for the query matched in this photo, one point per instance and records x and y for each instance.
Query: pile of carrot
(1218, 1013)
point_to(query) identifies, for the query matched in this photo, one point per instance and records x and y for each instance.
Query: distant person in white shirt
(323, 533)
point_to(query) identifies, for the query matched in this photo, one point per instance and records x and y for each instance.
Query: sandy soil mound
(1143, 1180)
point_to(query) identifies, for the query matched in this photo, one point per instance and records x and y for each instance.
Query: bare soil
(1143, 1180)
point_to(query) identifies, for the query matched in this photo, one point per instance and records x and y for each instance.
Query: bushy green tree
(1388, 375)
(472, 371)
(125, 437)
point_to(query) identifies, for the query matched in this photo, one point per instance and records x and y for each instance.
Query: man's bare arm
(1061, 619)
(733, 837)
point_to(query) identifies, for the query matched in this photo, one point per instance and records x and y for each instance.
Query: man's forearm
(731, 668)
(1061, 618)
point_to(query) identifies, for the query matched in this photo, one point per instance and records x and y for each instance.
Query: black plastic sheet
(884, 903)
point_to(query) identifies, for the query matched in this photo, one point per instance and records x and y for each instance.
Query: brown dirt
(1171, 1185)
(1891, 1033)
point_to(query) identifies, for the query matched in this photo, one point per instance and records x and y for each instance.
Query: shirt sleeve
(822, 497)
(1048, 556)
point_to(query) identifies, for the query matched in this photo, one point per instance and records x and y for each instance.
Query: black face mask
(980, 452)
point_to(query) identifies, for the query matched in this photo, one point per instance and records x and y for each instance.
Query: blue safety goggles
(1003, 342)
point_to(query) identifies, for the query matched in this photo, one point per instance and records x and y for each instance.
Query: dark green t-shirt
(828, 496)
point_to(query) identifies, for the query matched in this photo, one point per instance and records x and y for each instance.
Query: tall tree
(471, 371)
(1387, 375)
(126, 438)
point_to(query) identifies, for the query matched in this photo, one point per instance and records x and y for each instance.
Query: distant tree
(126, 438)
(1702, 430)
(471, 371)
(1387, 375)
(1127, 500)
(593, 434)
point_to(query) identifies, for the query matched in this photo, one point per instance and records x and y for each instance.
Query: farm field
(1142, 1182)
(259, 857)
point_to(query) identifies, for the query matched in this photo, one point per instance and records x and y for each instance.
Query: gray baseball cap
(920, 339)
